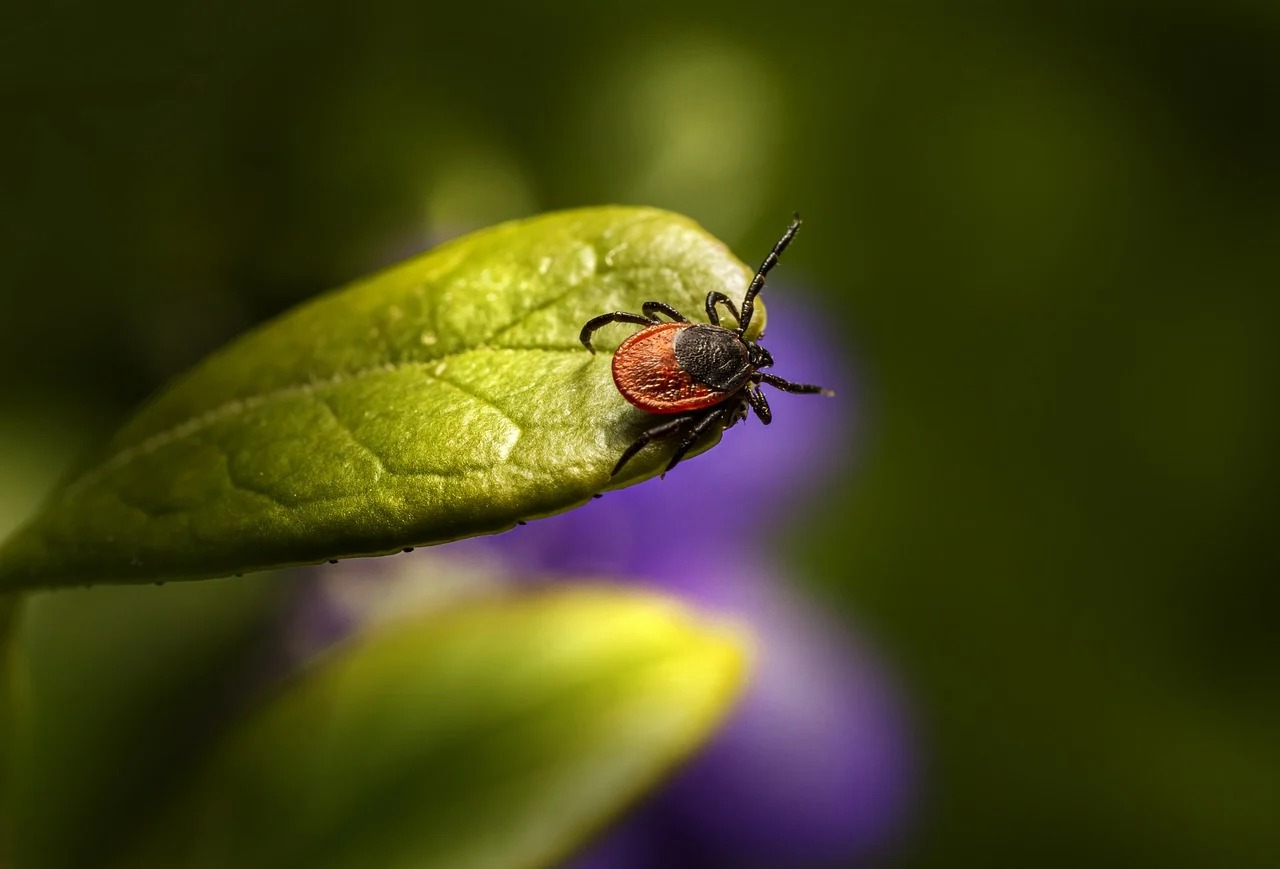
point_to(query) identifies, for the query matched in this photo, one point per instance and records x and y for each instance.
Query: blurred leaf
(496, 734)
(115, 691)
(445, 397)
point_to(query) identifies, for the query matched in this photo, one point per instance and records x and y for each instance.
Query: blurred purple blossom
(814, 766)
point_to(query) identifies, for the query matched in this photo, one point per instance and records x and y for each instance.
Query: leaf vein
(541, 306)
(480, 399)
(239, 406)
(350, 432)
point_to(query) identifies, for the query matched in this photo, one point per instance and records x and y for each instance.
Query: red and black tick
(695, 373)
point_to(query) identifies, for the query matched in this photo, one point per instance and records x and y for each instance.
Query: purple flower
(814, 765)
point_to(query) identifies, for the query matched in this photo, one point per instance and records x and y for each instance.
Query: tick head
(760, 357)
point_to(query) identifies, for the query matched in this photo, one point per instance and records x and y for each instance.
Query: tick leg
(661, 430)
(715, 297)
(757, 283)
(650, 307)
(694, 433)
(760, 405)
(605, 319)
(787, 386)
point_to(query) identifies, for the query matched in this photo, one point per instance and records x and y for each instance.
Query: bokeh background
(1044, 235)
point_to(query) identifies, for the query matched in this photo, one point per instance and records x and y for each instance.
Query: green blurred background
(1049, 231)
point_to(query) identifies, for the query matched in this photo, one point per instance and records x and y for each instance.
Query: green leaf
(445, 397)
(500, 733)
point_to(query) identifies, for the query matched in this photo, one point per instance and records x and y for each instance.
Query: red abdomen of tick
(647, 373)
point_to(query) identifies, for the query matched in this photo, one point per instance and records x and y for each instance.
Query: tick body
(695, 374)
(679, 367)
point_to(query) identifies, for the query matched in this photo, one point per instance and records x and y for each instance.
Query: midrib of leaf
(309, 389)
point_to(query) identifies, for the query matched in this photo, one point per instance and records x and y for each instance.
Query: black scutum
(713, 356)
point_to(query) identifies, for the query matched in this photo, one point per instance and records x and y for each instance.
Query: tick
(696, 374)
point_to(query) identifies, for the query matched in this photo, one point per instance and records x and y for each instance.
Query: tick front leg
(662, 430)
(715, 297)
(651, 310)
(760, 405)
(787, 386)
(605, 319)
